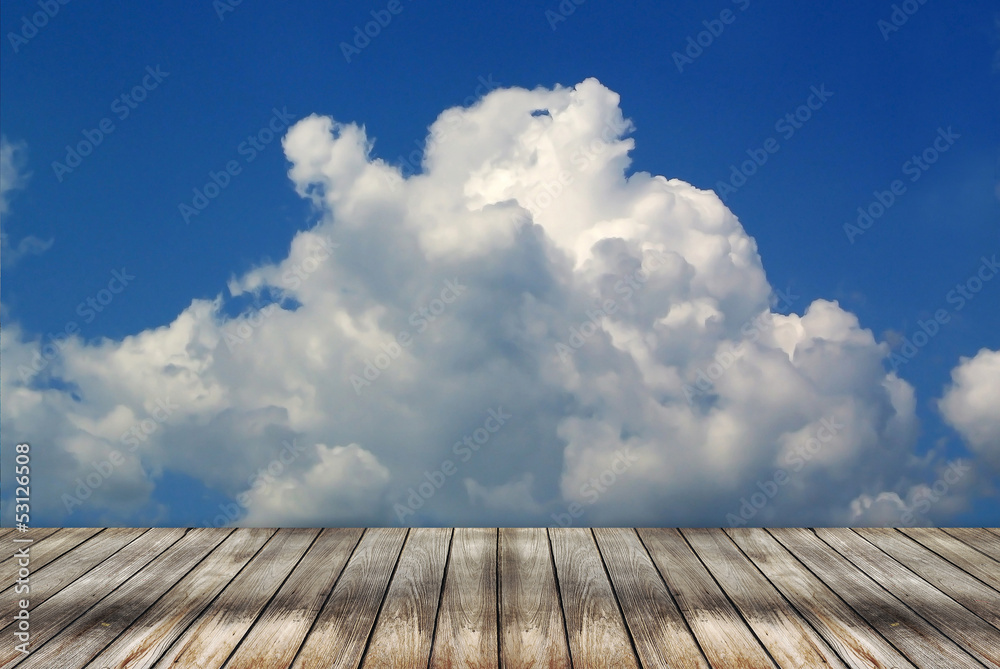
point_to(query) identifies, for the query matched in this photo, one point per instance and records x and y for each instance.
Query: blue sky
(870, 96)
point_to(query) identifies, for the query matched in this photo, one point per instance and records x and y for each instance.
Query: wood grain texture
(87, 635)
(220, 627)
(466, 633)
(854, 640)
(943, 575)
(979, 538)
(791, 641)
(44, 552)
(343, 626)
(960, 554)
(152, 634)
(722, 633)
(52, 615)
(65, 569)
(662, 637)
(275, 638)
(966, 629)
(532, 630)
(37, 535)
(516, 597)
(405, 629)
(594, 624)
(911, 634)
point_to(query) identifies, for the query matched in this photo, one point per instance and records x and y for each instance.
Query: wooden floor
(470, 598)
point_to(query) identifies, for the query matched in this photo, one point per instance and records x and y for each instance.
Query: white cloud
(13, 177)
(536, 216)
(970, 404)
(343, 488)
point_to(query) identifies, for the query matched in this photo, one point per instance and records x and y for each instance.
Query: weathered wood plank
(723, 635)
(791, 641)
(88, 634)
(965, 628)
(4, 531)
(911, 634)
(162, 627)
(958, 553)
(979, 538)
(67, 568)
(52, 615)
(43, 552)
(662, 637)
(943, 575)
(532, 630)
(343, 626)
(7, 560)
(854, 640)
(405, 628)
(466, 631)
(275, 638)
(597, 634)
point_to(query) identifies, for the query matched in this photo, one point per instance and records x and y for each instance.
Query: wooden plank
(77, 643)
(854, 640)
(162, 627)
(594, 624)
(723, 635)
(466, 631)
(911, 634)
(5, 531)
(275, 638)
(965, 628)
(946, 577)
(43, 552)
(791, 641)
(662, 637)
(958, 553)
(343, 626)
(405, 627)
(37, 536)
(532, 630)
(67, 568)
(60, 609)
(979, 538)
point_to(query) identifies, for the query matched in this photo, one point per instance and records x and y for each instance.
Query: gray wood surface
(791, 641)
(342, 628)
(77, 643)
(532, 629)
(277, 635)
(512, 598)
(960, 554)
(854, 640)
(594, 624)
(661, 635)
(965, 628)
(979, 538)
(405, 628)
(723, 634)
(466, 633)
(924, 644)
(65, 569)
(943, 575)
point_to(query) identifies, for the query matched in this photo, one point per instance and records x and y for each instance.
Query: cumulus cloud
(523, 277)
(13, 177)
(970, 403)
(343, 488)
